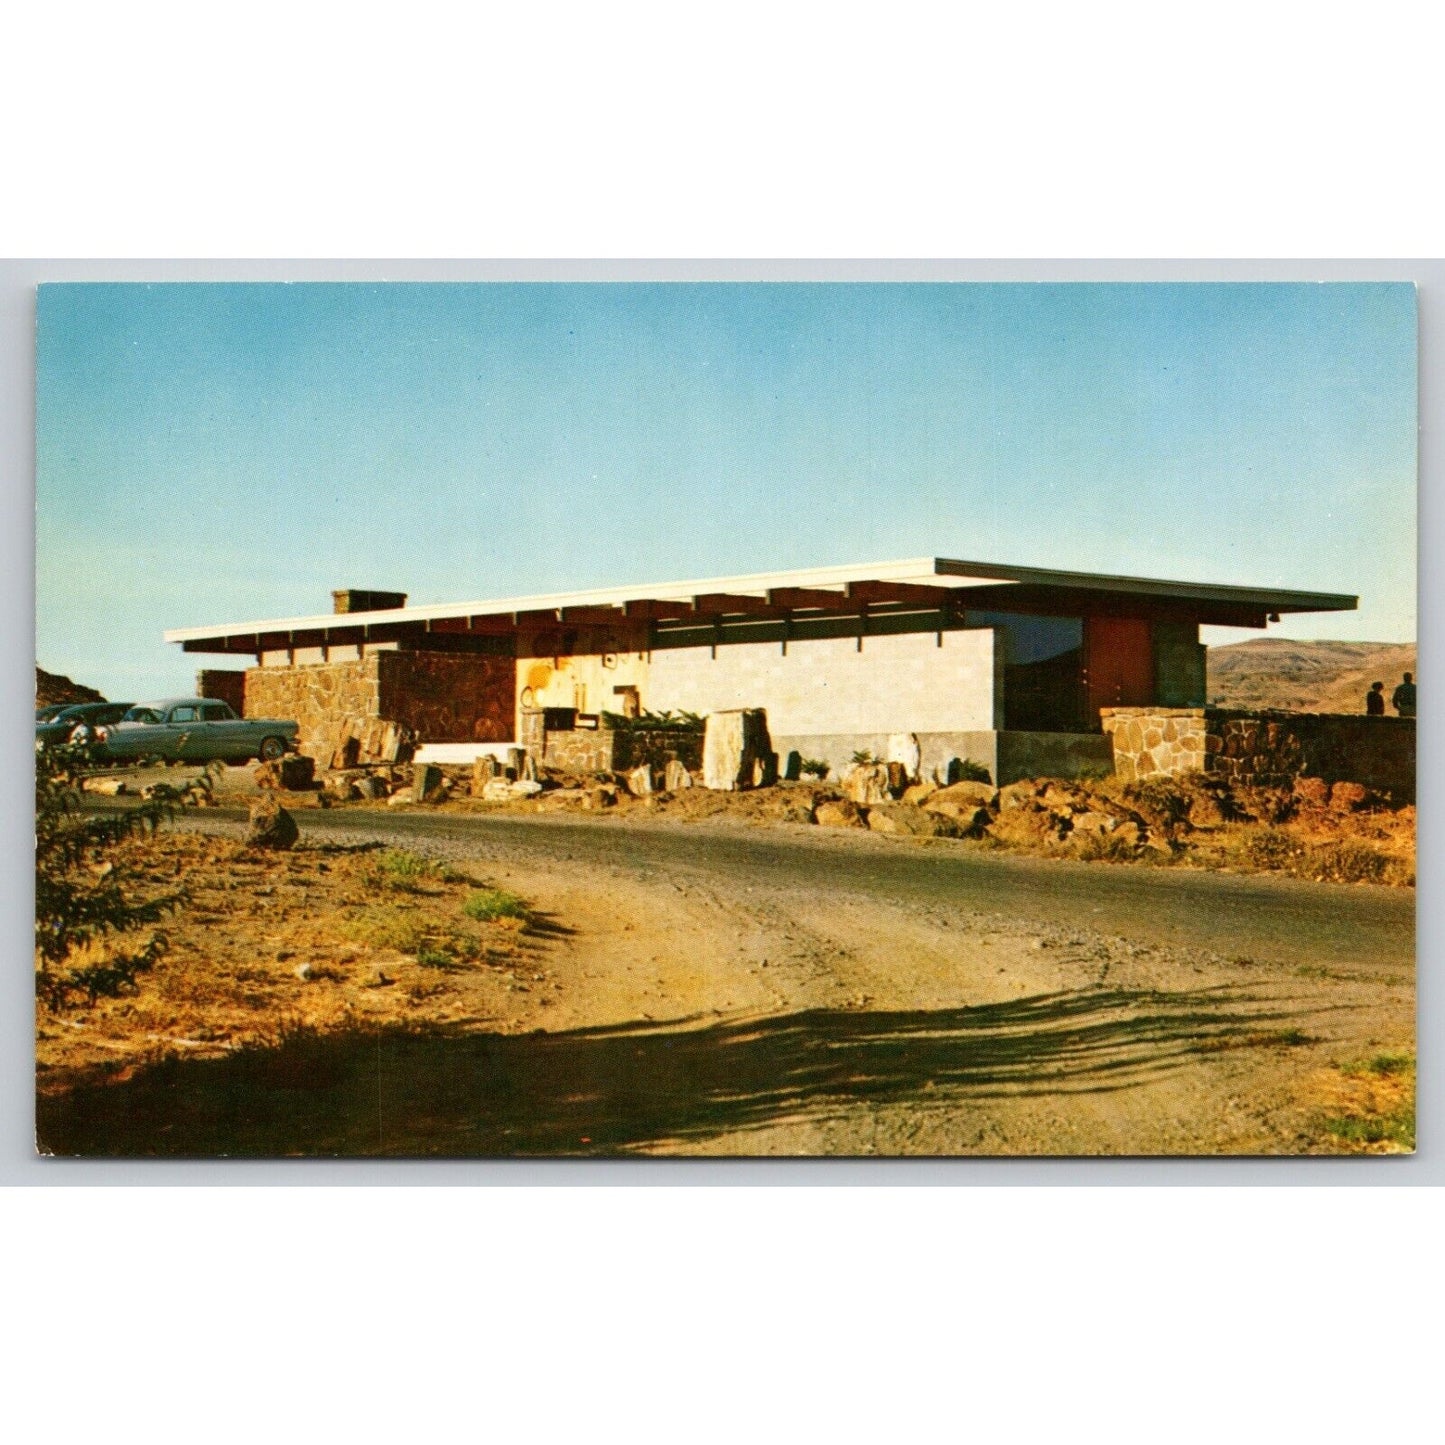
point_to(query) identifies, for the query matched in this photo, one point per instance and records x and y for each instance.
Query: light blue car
(196, 730)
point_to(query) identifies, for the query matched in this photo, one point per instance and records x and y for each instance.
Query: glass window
(1043, 670)
(215, 712)
(183, 714)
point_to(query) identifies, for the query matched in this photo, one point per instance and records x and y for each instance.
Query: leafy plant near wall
(660, 722)
(865, 759)
(79, 897)
(969, 771)
(812, 767)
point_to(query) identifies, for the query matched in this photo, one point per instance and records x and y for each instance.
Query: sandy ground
(661, 1004)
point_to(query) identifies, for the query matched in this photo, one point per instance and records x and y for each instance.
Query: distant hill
(1305, 676)
(51, 688)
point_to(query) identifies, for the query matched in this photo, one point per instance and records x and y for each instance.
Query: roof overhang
(924, 584)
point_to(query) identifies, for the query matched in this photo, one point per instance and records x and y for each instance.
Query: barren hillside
(1305, 676)
(51, 688)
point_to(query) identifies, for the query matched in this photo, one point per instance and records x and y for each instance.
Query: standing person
(1375, 700)
(1404, 697)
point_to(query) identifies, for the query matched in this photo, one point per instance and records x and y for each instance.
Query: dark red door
(1119, 658)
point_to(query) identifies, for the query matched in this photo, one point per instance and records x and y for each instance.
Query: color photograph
(745, 719)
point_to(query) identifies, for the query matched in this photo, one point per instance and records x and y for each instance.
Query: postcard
(614, 719)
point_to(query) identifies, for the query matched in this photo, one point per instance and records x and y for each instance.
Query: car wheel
(271, 749)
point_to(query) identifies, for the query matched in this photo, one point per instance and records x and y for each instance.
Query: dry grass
(322, 937)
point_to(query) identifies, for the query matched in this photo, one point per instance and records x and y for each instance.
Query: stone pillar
(735, 743)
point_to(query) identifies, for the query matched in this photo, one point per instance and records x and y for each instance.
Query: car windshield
(142, 715)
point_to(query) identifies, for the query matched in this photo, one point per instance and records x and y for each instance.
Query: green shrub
(966, 770)
(408, 872)
(814, 766)
(863, 758)
(491, 903)
(79, 893)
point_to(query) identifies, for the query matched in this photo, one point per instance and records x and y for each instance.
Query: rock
(106, 787)
(514, 762)
(399, 799)
(270, 826)
(639, 781)
(1348, 797)
(919, 793)
(502, 790)
(904, 818)
(426, 783)
(733, 743)
(347, 754)
(1312, 792)
(866, 784)
(838, 813)
(1027, 824)
(897, 779)
(484, 769)
(528, 773)
(339, 790)
(372, 787)
(793, 766)
(604, 795)
(160, 792)
(1094, 822)
(765, 770)
(302, 971)
(1128, 833)
(525, 788)
(1206, 811)
(960, 800)
(676, 777)
(903, 749)
(267, 775)
(1016, 795)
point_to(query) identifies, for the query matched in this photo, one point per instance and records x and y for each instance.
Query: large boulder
(905, 819)
(640, 781)
(735, 744)
(866, 784)
(270, 826)
(676, 777)
(960, 800)
(838, 813)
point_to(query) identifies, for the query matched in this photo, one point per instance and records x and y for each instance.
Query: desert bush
(488, 904)
(968, 771)
(864, 758)
(1347, 861)
(408, 872)
(1104, 848)
(79, 892)
(1270, 848)
(814, 767)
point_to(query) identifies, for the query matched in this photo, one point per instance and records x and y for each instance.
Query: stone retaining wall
(601, 750)
(1264, 747)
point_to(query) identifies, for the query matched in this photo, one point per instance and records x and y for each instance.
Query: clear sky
(212, 453)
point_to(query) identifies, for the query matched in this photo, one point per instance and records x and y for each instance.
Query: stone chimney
(357, 599)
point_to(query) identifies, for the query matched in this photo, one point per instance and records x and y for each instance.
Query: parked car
(196, 730)
(77, 723)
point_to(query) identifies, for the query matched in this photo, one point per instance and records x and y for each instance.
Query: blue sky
(211, 453)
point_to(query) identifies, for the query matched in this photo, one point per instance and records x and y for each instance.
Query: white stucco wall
(900, 683)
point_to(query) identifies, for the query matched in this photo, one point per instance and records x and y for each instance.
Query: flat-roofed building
(1008, 666)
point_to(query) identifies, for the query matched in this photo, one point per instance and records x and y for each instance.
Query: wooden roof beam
(651, 609)
(871, 592)
(722, 604)
(602, 616)
(805, 598)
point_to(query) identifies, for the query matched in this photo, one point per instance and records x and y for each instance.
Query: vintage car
(196, 730)
(76, 723)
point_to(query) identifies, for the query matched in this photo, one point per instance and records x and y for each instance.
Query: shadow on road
(632, 1087)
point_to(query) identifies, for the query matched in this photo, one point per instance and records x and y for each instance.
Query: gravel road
(789, 990)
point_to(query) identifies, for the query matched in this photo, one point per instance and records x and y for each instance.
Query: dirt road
(791, 991)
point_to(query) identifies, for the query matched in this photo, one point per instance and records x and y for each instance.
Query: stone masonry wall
(1264, 747)
(1150, 742)
(580, 750)
(441, 697)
